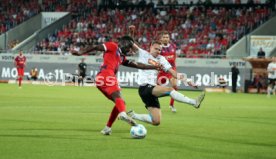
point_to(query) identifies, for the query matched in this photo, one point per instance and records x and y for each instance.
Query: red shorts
(164, 76)
(107, 84)
(20, 71)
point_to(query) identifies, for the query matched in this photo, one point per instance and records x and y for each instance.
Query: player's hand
(159, 67)
(192, 84)
(131, 28)
(188, 81)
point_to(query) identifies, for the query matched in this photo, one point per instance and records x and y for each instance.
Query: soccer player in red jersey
(106, 81)
(169, 52)
(20, 63)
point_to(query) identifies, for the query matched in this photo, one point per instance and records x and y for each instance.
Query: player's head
(125, 43)
(20, 52)
(165, 38)
(274, 59)
(155, 48)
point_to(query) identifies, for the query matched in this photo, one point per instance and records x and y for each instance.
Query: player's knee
(116, 95)
(174, 86)
(170, 89)
(156, 122)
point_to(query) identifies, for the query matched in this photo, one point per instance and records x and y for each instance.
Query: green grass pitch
(42, 122)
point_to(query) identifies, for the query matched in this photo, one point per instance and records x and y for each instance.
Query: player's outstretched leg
(123, 116)
(172, 107)
(142, 117)
(113, 115)
(120, 105)
(269, 90)
(106, 131)
(199, 100)
(181, 98)
(154, 116)
(20, 81)
(184, 99)
(160, 91)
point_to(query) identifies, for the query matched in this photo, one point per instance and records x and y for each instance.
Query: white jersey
(271, 67)
(150, 76)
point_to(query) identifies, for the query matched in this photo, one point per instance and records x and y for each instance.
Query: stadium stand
(194, 33)
(13, 14)
(199, 30)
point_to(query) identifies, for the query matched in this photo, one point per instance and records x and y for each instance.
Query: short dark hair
(125, 43)
(164, 33)
(127, 38)
(160, 35)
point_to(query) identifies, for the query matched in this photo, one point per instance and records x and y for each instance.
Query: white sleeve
(269, 68)
(142, 53)
(142, 56)
(164, 63)
(105, 49)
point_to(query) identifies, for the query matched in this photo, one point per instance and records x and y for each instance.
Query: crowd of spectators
(15, 12)
(12, 44)
(197, 30)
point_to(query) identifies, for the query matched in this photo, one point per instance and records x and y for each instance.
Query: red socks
(112, 117)
(20, 81)
(119, 107)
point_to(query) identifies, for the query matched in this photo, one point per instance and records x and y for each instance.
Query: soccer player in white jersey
(271, 69)
(149, 91)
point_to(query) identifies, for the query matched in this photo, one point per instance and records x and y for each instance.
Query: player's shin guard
(181, 98)
(120, 104)
(143, 117)
(112, 117)
(172, 100)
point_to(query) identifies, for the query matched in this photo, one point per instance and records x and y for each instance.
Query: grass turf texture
(64, 123)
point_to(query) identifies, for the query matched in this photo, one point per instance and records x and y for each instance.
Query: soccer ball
(138, 131)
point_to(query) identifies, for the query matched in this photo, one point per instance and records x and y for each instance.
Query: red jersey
(112, 58)
(169, 52)
(20, 61)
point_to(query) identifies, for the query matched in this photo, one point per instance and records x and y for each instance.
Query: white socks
(269, 89)
(181, 98)
(142, 117)
(122, 114)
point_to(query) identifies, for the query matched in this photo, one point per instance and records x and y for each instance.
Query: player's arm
(168, 68)
(134, 64)
(15, 62)
(88, 50)
(25, 62)
(177, 75)
(180, 76)
(270, 69)
(131, 30)
(135, 47)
